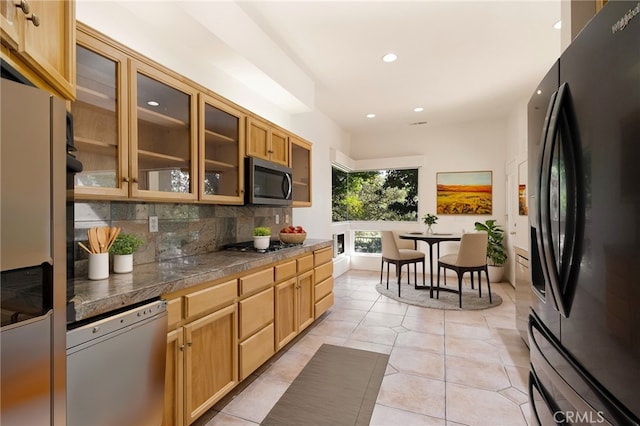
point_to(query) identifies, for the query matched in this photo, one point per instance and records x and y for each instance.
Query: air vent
(418, 123)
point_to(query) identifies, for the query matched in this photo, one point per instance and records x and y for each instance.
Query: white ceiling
(459, 60)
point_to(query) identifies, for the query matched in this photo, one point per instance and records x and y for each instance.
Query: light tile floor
(445, 367)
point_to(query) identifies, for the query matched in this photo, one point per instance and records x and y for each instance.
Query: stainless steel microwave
(267, 183)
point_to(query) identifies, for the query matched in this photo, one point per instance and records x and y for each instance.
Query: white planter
(496, 273)
(122, 263)
(261, 242)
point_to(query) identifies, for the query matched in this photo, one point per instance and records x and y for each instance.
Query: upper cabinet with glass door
(221, 152)
(163, 135)
(100, 120)
(301, 165)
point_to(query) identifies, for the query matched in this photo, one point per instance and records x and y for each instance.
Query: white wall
(474, 146)
(517, 225)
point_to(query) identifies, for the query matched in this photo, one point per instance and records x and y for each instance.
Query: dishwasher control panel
(114, 322)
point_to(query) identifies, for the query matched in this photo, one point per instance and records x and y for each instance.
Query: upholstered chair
(400, 252)
(471, 257)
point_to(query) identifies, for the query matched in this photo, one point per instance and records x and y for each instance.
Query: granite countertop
(149, 281)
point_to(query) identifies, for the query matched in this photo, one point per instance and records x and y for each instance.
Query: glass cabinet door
(301, 165)
(221, 152)
(163, 135)
(100, 124)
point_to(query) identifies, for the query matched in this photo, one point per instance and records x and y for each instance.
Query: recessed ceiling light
(557, 25)
(371, 115)
(418, 109)
(153, 103)
(539, 92)
(389, 57)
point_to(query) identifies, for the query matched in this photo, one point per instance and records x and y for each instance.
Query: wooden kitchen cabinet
(323, 281)
(256, 331)
(222, 331)
(174, 379)
(301, 165)
(163, 135)
(201, 363)
(221, 142)
(266, 142)
(210, 360)
(39, 36)
(294, 307)
(101, 120)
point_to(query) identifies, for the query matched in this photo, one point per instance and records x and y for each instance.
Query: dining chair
(471, 257)
(400, 252)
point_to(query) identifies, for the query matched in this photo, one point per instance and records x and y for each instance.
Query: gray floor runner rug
(338, 386)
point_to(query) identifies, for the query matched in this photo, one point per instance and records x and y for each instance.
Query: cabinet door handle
(189, 344)
(181, 348)
(34, 18)
(24, 5)
(125, 179)
(135, 180)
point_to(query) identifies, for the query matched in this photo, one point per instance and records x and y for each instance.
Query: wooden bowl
(293, 238)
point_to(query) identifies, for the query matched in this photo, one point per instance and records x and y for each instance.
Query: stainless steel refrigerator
(32, 256)
(584, 163)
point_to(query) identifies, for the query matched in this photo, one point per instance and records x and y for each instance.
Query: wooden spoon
(103, 238)
(113, 233)
(93, 240)
(83, 247)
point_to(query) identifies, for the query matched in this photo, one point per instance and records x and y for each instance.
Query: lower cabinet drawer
(323, 305)
(210, 298)
(256, 350)
(323, 256)
(255, 312)
(323, 272)
(323, 288)
(256, 281)
(305, 263)
(285, 270)
(174, 312)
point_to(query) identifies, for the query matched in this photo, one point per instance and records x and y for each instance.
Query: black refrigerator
(584, 173)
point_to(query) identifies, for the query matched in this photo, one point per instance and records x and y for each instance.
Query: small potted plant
(122, 250)
(496, 253)
(261, 237)
(429, 219)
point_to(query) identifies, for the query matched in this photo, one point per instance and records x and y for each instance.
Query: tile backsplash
(183, 229)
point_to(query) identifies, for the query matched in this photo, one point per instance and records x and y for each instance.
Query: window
(367, 242)
(390, 194)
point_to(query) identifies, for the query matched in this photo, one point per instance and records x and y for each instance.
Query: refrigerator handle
(561, 259)
(542, 219)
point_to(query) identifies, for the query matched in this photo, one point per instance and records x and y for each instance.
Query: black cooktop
(247, 246)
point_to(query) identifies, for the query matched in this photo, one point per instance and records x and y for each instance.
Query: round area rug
(447, 300)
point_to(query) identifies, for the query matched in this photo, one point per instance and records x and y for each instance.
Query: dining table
(430, 239)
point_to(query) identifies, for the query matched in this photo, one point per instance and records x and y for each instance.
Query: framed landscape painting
(464, 192)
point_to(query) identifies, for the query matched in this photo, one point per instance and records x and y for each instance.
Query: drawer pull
(35, 19)
(24, 6)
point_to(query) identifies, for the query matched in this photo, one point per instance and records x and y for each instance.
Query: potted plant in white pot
(261, 237)
(496, 253)
(122, 250)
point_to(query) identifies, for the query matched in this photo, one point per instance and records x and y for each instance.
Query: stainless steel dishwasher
(115, 368)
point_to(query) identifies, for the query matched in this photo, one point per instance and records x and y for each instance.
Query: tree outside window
(389, 195)
(375, 195)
